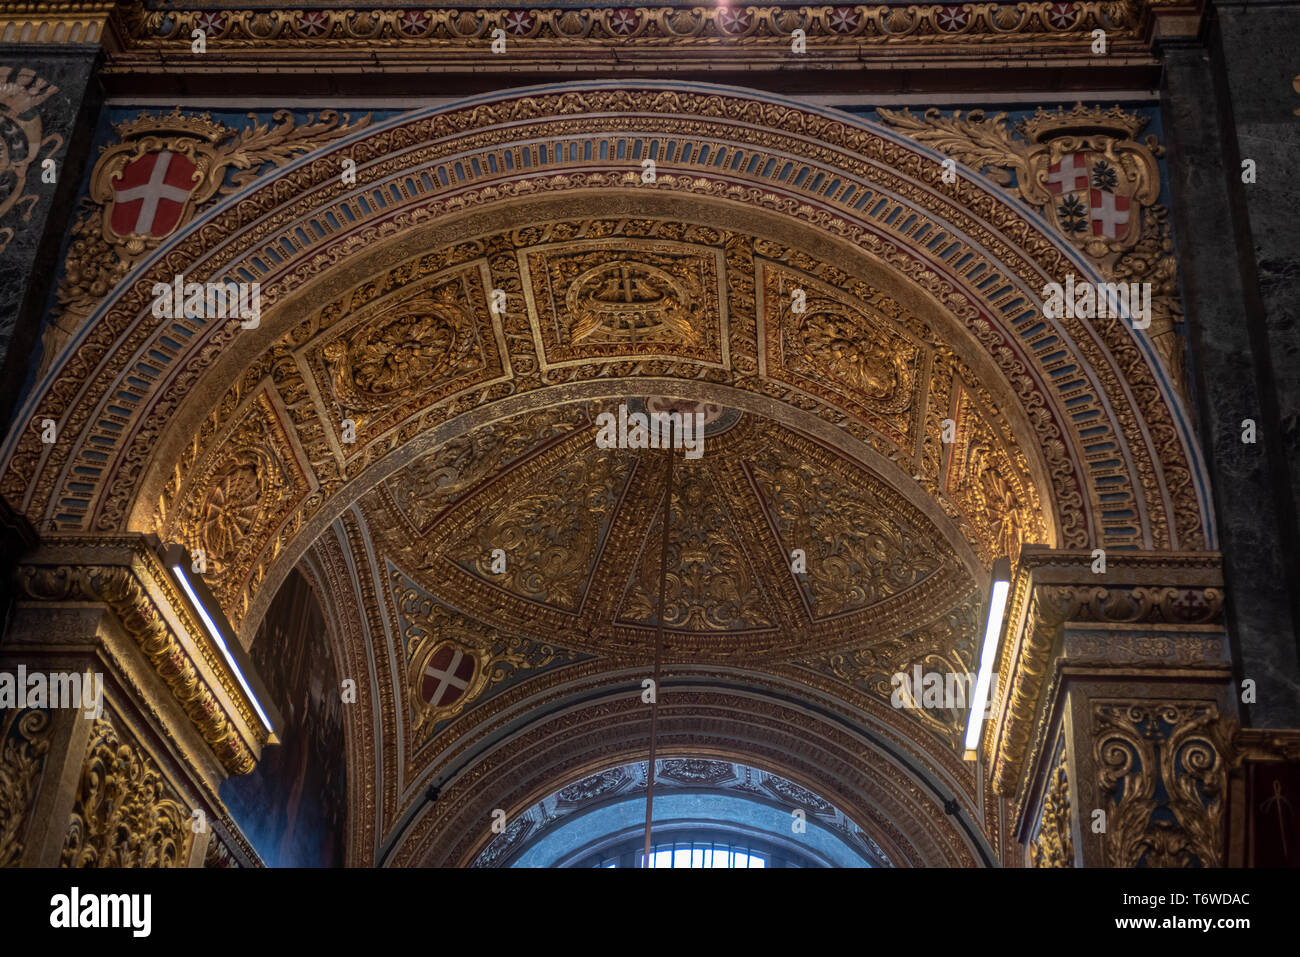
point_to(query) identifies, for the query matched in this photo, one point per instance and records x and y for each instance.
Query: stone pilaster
(1228, 97)
(49, 105)
(1117, 709)
(120, 786)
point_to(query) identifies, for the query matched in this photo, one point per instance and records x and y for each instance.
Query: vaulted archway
(445, 312)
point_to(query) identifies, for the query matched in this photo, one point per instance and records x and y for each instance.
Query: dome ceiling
(529, 527)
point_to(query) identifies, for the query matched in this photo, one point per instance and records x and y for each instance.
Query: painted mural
(293, 805)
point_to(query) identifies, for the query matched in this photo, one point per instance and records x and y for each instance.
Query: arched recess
(901, 809)
(183, 427)
(133, 398)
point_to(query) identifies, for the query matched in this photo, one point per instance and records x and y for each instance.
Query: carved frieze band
(692, 26)
(1168, 592)
(133, 602)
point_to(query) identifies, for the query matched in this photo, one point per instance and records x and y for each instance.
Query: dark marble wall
(27, 264)
(1228, 97)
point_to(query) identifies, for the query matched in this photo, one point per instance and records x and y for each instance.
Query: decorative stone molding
(1176, 595)
(462, 34)
(126, 575)
(69, 21)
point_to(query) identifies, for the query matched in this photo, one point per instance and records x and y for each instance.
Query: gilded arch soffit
(886, 394)
(977, 273)
(882, 796)
(395, 620)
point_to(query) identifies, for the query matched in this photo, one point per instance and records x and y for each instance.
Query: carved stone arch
(231, 439)
(877, 781)
(977, 253)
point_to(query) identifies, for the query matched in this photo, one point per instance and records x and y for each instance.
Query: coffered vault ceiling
(578, 528)
(616, 297)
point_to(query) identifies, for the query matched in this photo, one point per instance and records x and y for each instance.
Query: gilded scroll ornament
(1087, 173)
(1053, 845)
(710, 585)
(22, 141)
(163, 170)
(1162, 767)
(126, 813)
(404, 348)
(859, 547)
(549, 536)
(24, 741)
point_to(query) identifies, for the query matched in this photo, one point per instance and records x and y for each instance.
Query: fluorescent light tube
(988, 655)
(215, 632)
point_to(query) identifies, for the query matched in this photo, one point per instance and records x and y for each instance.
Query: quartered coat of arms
(1086, 171)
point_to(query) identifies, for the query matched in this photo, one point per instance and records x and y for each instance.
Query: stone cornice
(43, 21)
(680, 36)
(123, 573)
(1265, 744)
(1053, 589)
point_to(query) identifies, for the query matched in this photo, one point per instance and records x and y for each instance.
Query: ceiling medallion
(716, 418)
(630, 301)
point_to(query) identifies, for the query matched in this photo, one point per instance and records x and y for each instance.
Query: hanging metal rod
(659, 641)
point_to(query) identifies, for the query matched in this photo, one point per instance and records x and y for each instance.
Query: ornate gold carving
(121, 590)
(126, 813)
(715, 29)
(236, 500)
(111, 509)
(860, 547)
(431, 483)
(1045, 607)
(985, 484)
(1086, 171)
(24, 741)
(945, 646)
(854, 342)
(630, 301)
(21, 140)
(408, 346)
(550, 536)
(1162, 767)
(39, 22)
(710, 584)
(577, 526)
(163, 170)
(452, 660)
(623, 296)
(1053, 845)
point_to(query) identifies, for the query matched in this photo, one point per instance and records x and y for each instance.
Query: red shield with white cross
(446, 676)
(150, 194)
